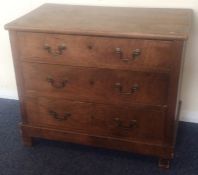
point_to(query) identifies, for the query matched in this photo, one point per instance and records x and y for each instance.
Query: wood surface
(138, 123)
(97, 141)
(107, 21)
(90, 51)
(101, 76)
(95, 85)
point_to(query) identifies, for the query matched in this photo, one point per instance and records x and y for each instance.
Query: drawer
(95, 85)
(118, 53)
(135, 123)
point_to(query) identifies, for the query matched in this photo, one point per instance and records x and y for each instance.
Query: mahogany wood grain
(96, 51)
(174, 91)
(95, 85)
(18, 72)
(135, 123)
(97, 141)
(75, 84)
(144, 23)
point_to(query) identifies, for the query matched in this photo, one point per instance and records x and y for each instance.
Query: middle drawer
(95, 85)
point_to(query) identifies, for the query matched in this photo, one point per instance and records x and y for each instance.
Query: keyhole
(91, 82)
(90, 47)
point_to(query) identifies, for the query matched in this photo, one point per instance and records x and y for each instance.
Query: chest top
(107, 21)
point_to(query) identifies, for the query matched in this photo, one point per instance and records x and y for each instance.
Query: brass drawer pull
(135, 54)
(58, 117)
(132, 123)
(57, 52)
(134, 89)
(120, 53)
(57, 84)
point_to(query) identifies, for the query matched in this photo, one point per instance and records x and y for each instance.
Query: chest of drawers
(101, 76)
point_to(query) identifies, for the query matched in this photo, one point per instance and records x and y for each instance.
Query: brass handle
(135, 54)
(57, 84)
(57, 52)
(120, 53)
(131, 124)
(58, 117)
(134, 89)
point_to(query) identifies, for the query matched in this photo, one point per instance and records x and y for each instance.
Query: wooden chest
(101, 76)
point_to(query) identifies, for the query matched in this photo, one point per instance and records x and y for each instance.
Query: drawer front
(60, 114)
(95, 85)
(134, 123)
(96, 51)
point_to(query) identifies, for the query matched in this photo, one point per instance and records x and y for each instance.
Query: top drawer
(118, 53)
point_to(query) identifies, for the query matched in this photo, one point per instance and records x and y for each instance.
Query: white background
(11, 9)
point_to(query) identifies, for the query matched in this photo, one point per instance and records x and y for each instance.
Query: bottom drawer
(141, 123)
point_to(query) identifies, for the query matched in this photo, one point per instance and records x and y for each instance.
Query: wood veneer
(101, 76)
